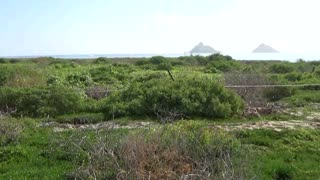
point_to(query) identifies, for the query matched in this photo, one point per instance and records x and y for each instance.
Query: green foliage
(153, 153)
(26, 159)
(146, 76)
(157, 63)
(157, 60)
(14, 61)
(167, 66)
(219, 57)
(141, 62)
(21, 76)
(102, 60)
(293, 77)
(111, 74)
(290, 154)
(211, 69)
(79, 80)
(281, 68)
(223, 63)
(278, 93)
(304, 97)
(10, 131)
(190, 97)
(42, 102)
(3, 61)
(43, 87)
(317, 73)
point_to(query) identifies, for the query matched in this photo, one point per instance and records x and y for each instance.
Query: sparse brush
(9, 131)
(171, 152)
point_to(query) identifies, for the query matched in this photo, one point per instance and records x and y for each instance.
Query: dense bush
(281, 68)
(225, 66)
(294, 77)
(223, 63)
(141, 62)
(157, 60)
(165, 66)
(183, 97)
(157, 63)
(147, 76)
(219, 57)
(102, 60)
(40, 102)
(304, 98)
(3, 60)
(317, 73)
(277, 93)
(111, 74)
(79, 80)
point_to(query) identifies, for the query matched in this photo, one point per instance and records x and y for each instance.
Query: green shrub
(225, 66)
(79, 80)
(185, 97)
(283, 173)
(144, 77)
(278, 93)
(219, 57)
(3, 61)
(111, 74)
(40, 102)
(223, 63)
(211, 69)
(14, 61)
(294, 77)
(141, 62)
(281, 68)
(102, 60)
(165, 66)
(157, 60)
(317, 73)
(305, 97)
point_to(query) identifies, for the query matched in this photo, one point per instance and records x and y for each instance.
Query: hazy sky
(48, 27)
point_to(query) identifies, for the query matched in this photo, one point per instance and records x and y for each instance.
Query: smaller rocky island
(263, 48)
(203, 49)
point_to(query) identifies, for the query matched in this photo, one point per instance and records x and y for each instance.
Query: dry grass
(166, 153)
(9, 131)
(27, 78)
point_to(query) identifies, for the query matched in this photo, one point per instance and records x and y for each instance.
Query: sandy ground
(310, 123)
(311, 120)
(275, 125)
(57, 127)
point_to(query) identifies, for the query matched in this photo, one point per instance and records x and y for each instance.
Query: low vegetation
(53, 116)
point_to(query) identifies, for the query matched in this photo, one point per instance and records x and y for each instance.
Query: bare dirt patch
(274, 125)
(57, 127)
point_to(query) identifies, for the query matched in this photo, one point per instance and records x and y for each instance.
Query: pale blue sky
(49, 27)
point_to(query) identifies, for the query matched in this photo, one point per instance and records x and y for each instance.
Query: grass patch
(26, 161)
(10, 131)
(304, 98)
(290, 154)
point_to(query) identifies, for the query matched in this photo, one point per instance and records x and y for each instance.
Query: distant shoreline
(238, 56)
